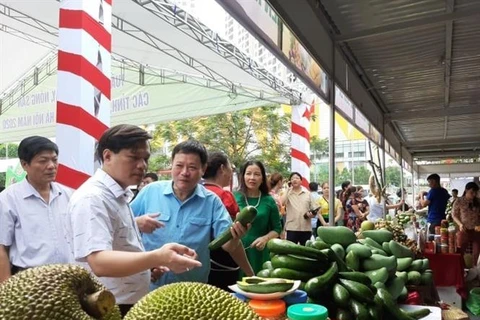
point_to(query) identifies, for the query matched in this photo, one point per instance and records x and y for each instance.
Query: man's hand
(310, 214)
(462, 228)
(238, 230)
(148, 223)
(177, 258)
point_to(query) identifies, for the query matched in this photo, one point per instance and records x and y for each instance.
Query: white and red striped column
(84, 88)
(300, 149)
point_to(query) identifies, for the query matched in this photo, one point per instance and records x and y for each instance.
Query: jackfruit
(57, 291)
(190, 301)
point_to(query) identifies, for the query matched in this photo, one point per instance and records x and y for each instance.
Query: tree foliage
(393, 176)
(11, 150)
(343, 175)
(259, 133)
(318, 148)
(361, 175)
(158, 162)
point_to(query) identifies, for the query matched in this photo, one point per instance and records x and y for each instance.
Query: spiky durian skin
(190, 301)
(49, 292)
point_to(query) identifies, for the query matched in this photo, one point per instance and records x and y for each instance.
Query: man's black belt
(15, 269)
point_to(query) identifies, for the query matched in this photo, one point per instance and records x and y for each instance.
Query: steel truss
(168, 15)
(189, 25)
(28, 20)
(31, 79)
(48, 66)
(174, 16)
(22, 35)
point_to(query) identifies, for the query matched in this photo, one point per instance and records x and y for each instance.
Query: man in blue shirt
(192, 215)
(436, 200)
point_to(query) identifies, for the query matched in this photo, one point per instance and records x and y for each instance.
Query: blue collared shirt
(193, 223)
(31, 227)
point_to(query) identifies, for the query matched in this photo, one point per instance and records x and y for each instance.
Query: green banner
(14, 175)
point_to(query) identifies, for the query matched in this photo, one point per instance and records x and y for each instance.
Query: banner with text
(158, 100)
(14, 175)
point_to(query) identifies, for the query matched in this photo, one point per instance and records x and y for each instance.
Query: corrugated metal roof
(409, 67)
(352, 15)
(465, 87)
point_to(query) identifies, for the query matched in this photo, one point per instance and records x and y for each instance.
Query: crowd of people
(160, 235)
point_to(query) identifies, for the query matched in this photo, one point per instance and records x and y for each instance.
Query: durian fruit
(190, 301)
(57, 291)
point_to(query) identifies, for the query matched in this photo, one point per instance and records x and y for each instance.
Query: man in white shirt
(31, 232)
(101, 229)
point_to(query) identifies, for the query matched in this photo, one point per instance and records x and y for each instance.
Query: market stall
(365, 276)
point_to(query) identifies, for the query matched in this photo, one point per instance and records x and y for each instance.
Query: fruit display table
(448, 271)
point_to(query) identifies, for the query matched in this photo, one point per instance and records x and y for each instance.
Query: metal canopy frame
(29, 81)
(19, 34)
(183, 21)
(177, 18)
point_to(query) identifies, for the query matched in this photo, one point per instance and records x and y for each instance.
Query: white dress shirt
(99, 219)
(31, 227)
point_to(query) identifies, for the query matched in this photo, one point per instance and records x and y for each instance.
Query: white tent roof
(157, 39)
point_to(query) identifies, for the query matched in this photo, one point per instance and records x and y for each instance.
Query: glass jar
(269, 309)
(307, 311)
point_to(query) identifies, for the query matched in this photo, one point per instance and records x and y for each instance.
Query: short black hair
(472, 185)
(119, 137)
(434, 177)
(152, 175)
(191, 146)
(313, 186)
(455, 190)
(214, 162)
(295, 174)
(31, 146)
(345, 184)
